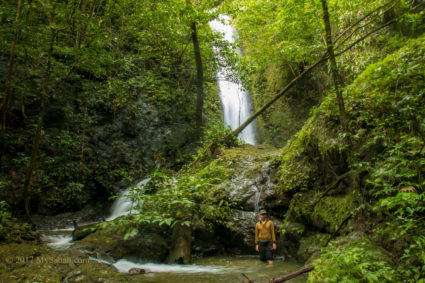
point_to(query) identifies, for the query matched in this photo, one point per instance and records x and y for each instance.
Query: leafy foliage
(384, 152)
(352, 261)
(122, 92)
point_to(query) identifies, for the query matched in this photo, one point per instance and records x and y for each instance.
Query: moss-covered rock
(311, 245)
(248, 178)
(94, 272)
(27, 262)
(124, 239)
(330, 212)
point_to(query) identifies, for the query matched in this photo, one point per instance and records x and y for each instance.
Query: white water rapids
(236, 102)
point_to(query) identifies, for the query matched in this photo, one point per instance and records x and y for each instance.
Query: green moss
(311, 245)
(36, 263)
(99, 241)
(95, 272)
(330, 211)
(300, 208)
(384, 142)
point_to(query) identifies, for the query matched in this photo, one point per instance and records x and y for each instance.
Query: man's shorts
(266, 250)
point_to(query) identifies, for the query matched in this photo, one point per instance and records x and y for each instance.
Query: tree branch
(293, 274)
(323, 58)
(362, 19)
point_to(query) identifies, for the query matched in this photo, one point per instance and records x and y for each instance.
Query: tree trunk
(332, 60)
(199, 82)
(36, 142)
(181, 245)
(4, 106)
(279, 95)
(317, 63)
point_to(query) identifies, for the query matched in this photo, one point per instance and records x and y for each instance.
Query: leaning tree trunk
(199, 81)
(4, 106)
(334, 67)
(36, 142)
(323, 59)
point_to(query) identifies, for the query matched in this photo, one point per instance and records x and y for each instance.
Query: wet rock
(205, 242)
(239, 237)
(242, 226)
(80, 232)
(88, 214)
(149, 244)
(135, 270)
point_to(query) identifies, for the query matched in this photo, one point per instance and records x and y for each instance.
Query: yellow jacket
(264, 231)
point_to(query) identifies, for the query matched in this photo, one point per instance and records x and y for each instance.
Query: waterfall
(236, 102)
(123, 204)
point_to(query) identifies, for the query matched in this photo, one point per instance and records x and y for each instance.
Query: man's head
(263, 214)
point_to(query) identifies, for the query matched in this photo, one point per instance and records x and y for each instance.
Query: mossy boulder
(28, 262)
(80, 232)
(141, 242)
(311, 245)
(94, 272)
(248, 178)
(331, 211)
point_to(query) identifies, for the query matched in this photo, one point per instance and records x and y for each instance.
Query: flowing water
(211, 269)
(58, 240)
(123, 204)
(236, 102)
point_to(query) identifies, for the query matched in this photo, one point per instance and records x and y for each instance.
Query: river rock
(80, 232)
(88, 214)
(135, 270)
(150, 243)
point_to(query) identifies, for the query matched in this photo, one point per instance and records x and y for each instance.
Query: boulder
(135, 270)
(310, 245)
(149, 243)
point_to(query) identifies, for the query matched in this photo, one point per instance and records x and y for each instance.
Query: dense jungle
(140, 141)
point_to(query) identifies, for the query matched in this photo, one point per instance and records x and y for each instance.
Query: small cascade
(123, 204)
(124, 265)
(236, 102)
(57, 239)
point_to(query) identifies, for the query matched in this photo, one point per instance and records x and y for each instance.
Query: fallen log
(292, 275)
(249, 279)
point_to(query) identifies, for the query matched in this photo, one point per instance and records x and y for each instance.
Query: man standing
(265, 240)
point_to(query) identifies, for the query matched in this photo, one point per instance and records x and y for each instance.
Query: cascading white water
(124, 265)
(236, 102)
(123, 204)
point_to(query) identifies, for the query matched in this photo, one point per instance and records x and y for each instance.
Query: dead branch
(249, 279)
(292, 275)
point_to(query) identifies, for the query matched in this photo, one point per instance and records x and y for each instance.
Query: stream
(209, 269)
